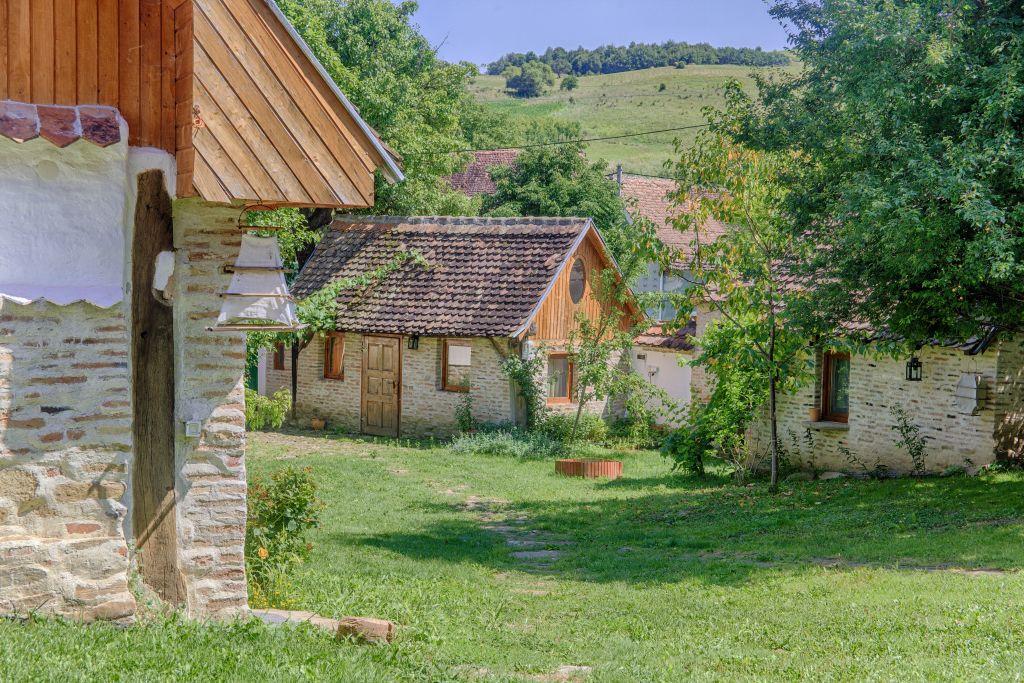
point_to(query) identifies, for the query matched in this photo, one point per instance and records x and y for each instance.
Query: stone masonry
(426, 409)
(65, 449)
(877, 383)
(210, 372)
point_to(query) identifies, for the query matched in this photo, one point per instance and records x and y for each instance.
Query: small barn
(413, 346)
(134, 135)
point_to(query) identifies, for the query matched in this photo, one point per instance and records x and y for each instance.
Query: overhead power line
(565, 142)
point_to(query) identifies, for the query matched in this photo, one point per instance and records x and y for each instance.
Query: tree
(755, 343)
(559, 181)
(532, 79)
(599, 347)
(570, 82)
(906, 132)
(415, 101)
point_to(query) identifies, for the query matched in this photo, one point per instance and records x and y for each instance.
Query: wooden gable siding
(222, 84)
(557, 315)
(269, 128)
(118, 53)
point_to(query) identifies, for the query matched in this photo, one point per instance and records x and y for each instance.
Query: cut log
(366, 629)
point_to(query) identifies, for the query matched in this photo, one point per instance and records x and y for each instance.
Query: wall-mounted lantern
(414, 342)
(914, 368)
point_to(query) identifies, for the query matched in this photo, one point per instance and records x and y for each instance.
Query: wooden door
(382, 382)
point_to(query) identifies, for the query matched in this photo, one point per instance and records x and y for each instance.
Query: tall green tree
(560, 181)
(906, 135)
(417, 102)
(754, 348)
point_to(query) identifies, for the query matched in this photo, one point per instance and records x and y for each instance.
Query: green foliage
(688, 448)
(464, 412)
(904, 129)
(612, 58)
(296, 237)
(526, 375)
(910, 439)
(590, 429)
(281, 511)
(569, 82)
(414, 100)
(531, 79)
(266, 412)
(559, 181)
(510, 443)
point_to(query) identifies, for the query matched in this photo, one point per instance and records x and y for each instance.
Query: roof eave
(391, 168)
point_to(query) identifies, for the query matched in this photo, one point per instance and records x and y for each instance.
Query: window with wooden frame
(279, 356)
(835, 387)
(456, 363)
(560, 378)
(334, 355)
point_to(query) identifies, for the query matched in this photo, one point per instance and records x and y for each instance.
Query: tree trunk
(295, 378)
(772, 384)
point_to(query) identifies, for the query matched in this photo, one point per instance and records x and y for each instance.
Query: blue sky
(482, 30)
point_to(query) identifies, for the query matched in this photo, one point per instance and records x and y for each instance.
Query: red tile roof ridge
(60, 124)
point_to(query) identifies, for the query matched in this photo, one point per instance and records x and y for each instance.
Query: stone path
(535, 550)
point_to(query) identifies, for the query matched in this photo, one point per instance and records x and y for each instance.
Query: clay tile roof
(660, 338)
(21, 122)
(484, 276)
(648, 197)
(476, 179)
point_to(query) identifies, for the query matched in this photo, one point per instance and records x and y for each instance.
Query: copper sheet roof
(61, 125)
(485, 276)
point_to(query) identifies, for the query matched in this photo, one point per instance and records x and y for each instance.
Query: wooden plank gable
(556, 317)
(226, 86)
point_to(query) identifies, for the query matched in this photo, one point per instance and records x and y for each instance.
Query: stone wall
(209, 372)
(65, 450)
(426, 409)
(953, 437)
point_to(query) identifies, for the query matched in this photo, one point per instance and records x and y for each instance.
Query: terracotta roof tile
(476, 179)
(648, 197)
(20, 122)
(660, 338)
(484, 278)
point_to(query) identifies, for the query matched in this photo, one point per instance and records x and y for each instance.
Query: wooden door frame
(364, 349)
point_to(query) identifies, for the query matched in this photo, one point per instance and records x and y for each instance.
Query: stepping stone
(537, 554)
(363, 628)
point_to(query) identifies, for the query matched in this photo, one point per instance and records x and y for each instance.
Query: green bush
(266, 412)
(509, 442)
(593, 429)
(282, 509)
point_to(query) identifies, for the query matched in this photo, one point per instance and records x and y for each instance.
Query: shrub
(266, 412)
(525, 374)
(509, 442)
(282, 509)
(558, 426)
(687, 449)
(570, 82)
(910, 439)
(464, 412)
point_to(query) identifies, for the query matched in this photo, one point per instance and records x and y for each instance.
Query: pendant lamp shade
(258, 297)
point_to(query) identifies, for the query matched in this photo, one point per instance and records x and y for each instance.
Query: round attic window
(577, 281)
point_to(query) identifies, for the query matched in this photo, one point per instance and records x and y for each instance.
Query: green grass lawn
(628, 102)
(660, 578)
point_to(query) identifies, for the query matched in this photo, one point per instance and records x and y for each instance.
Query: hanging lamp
(257, 298)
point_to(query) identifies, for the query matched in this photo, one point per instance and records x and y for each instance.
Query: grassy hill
(628, 102)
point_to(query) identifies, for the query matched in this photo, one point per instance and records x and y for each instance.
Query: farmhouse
(412, 346)
(133, 135)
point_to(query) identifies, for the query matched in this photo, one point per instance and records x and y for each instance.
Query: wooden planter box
(589, 469)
